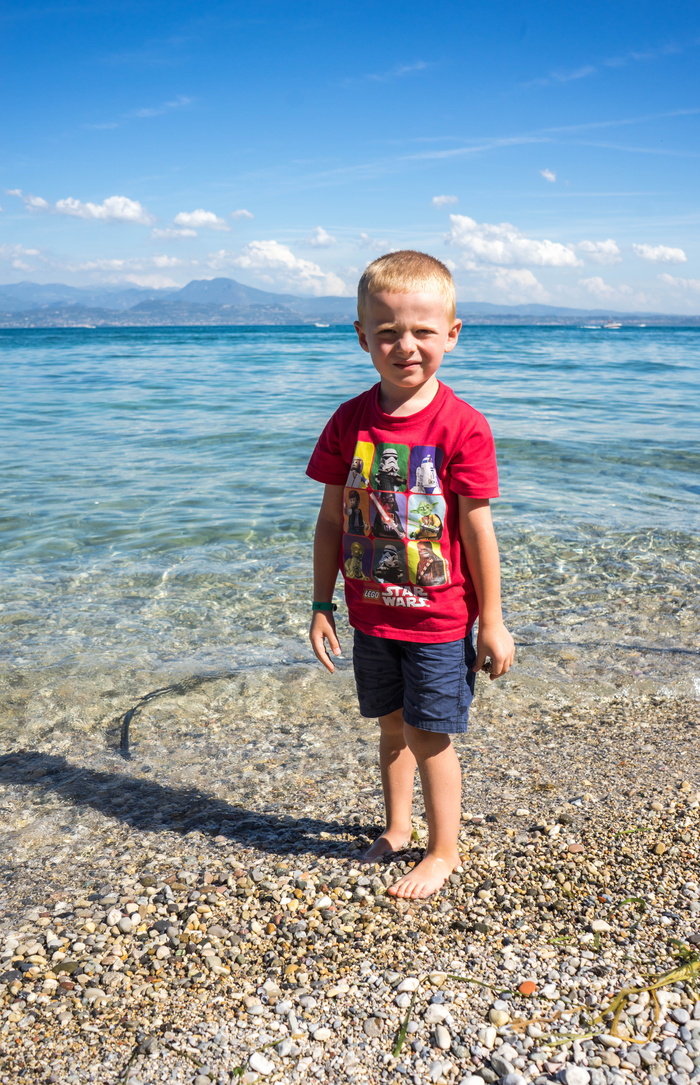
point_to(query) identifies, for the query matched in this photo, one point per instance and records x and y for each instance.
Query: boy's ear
(361, 336)
(453, 336)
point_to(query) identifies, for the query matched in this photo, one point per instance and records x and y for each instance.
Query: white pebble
(574, 1075)
(260, 1064)
(113, 917)
(435, 1014)
(409, 984)
(608, 1041)
(322, 1034)
(323, 902)
(599, 926)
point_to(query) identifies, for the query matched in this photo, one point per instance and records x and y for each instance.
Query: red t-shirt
(401, 554)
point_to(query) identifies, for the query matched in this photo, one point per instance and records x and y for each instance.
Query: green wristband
(324, 606)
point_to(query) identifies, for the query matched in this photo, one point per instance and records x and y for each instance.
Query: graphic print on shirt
(393, 521)
(389, 565)
(426, 516)
(426, 565)
(389, 519)
(357, 558)
(390, 467)
(425, 464)
(356, 512)
(358, 476)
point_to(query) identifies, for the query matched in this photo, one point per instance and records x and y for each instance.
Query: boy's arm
(481, 551)
(329, 528)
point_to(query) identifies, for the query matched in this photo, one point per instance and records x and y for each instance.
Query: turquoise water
(156, 520)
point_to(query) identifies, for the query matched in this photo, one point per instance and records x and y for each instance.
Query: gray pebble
(680, 1016)
(682, 1060)
(372, 1027)
(501, 1066)
(443, 1039)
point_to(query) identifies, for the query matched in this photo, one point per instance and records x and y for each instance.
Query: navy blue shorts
(432, 683)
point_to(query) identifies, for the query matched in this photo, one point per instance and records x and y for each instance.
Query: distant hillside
(222, 301)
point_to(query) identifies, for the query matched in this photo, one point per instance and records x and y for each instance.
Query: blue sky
(547, 152)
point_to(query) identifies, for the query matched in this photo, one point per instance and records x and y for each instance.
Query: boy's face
(406, 336)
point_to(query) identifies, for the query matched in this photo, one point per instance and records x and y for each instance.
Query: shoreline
(567, 826)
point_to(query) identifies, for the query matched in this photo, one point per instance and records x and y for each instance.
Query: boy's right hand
(322, 630)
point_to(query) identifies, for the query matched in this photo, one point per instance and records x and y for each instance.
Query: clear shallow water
(156, 521)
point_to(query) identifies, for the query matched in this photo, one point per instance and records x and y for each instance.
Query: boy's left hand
(496, 643)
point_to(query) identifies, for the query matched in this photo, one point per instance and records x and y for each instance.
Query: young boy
(413, 655)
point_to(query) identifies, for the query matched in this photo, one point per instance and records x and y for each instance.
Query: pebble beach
(197, 940)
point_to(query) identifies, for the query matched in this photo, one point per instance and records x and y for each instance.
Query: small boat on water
(612, 325)
(592, 327)
(317, 325)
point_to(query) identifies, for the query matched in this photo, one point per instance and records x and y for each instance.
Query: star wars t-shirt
(401, 555)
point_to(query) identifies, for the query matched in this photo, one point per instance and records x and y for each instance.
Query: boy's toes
(424, 880)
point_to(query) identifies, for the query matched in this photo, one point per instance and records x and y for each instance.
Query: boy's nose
(406, 344)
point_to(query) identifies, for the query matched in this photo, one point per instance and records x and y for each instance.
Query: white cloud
(158, 110)
(151, 282)
(170, 233)
(198, 219)
(366, 241)
(113, 209)
(680, 283)
(601, 252)
(12, 252)
(518, 285)
(660, 254)
(548, 175)
(131, 264)
(398, 72)
(35, 203)
(600, 289)
(292, 270)
(167, 261)
(241, 213)
(502, 243)
(15, 255)
(443, 201)
(320, 238)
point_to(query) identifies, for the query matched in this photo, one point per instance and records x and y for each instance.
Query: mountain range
(227, 302)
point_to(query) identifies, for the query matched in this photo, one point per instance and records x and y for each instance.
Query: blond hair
(406, 272)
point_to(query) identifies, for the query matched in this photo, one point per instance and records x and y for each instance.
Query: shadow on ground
(149, 806)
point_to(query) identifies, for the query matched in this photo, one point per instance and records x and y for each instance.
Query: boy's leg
(441, 778)
(398, 767)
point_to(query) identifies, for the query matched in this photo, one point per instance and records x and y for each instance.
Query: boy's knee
(393, 723)
(425, 743)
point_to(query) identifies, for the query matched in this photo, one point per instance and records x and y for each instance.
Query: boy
(413, 652)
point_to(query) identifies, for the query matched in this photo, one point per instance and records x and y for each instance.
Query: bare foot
(425, 879)
(384, 845)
